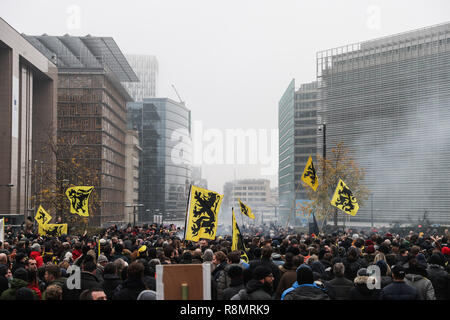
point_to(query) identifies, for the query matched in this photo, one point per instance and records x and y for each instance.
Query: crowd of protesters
(282, 265)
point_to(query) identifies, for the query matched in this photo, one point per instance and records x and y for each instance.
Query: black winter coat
(399, 291)
(129, 289)
(236, 285)
(269, 264)
(307, 293)
(110, 283)
(254, 290)
(341, 288)
(440, 280)
(352, 267)
(88, 281)
(361, 291)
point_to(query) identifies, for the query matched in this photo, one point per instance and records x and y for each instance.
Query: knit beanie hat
(261, 272)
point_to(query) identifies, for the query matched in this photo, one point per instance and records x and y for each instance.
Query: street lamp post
(371, 210)
(134, 206)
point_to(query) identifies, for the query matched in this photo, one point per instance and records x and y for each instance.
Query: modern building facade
(298, 127)
(164, 128)
(255, 193)
(92, 115)
(197, 179)
(388, 100)
(28, 82)
(132, 156)
(147, 69)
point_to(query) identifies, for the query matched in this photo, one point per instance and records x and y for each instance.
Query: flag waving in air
(245, 210)
(79, 200)
(237, 243)
(52, 230)
(343, 199)
(42, 216)
(309, 175)
(202, 214)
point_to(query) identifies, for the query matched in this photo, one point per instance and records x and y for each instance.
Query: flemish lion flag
(52, 230)
(343, 199)
(309, 175)
(202, 214)
(237, 243)
(245, 210)
(79, 200)
(42, 216)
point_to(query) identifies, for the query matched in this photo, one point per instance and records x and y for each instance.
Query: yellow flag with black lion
(202, 214)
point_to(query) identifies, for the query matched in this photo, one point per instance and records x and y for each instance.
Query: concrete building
(28, 82)
(298, 127)
(164, 128)
(92, 113)
(197, 179)
(255, 193)
(132, 156)
(388, 100)
(147, 69)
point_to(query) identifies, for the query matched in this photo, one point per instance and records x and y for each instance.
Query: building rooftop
(88, 52)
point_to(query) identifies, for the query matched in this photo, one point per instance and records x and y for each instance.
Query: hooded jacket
(255, 290)
(88, 281)
(423, 285)
(236, 285)
(16, 284)
(361, 291)
(341, 287)
(286, 281)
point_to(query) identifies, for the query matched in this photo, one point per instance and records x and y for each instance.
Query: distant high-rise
(164, 136)
(146, 68)
(297, 125)
(388, 100)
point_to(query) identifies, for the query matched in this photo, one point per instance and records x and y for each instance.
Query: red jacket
(37, 256)
(34, 287)
(76, 254)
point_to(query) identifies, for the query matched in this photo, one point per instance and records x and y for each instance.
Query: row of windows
(250, 188)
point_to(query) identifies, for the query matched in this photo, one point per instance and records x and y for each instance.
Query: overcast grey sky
(230, 60)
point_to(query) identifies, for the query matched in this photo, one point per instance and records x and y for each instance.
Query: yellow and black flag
(79, 200)
(309, 175)
(343, 199)
(52, 230)
(237, 243)
(202, 214)
(42, 216)
(245, 210)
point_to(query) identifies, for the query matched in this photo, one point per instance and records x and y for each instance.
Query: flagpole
(187, 211)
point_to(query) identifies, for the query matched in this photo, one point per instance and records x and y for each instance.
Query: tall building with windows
(28, 93)
(147, 69)
(91, 114)
(388, 100)
(164, 128)
(297, 125)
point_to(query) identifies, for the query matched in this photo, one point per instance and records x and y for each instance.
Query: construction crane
(175, 89)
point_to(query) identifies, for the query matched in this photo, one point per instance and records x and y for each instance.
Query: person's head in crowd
(135, 270)
(93, 294)
(435, 259)
(53, 292)
(21, 274)
(31, 264)
(52, 272)
(3, 258)
(219, 257)
(263, 274)
(305, 275)
(110, 268)
(102, 260)
(147, 295)
(383, 267)
(398, 273)
(208, 255)
(257, 253)
(235, 272)
(339, 270)
(234, 257)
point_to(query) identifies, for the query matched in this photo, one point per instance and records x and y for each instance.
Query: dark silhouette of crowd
(282, 265)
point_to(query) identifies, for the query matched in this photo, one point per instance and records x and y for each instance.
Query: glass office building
(388, 100)
(164, 135)
(297, 124)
